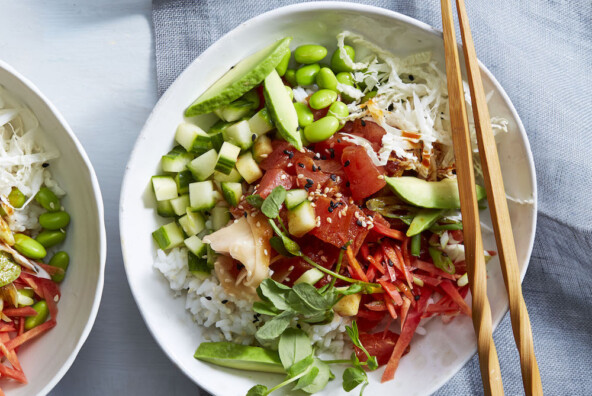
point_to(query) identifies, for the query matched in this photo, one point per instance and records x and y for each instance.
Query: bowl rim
(323, 6)
(99, 213)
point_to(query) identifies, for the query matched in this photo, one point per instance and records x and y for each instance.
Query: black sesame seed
(314, 168)
(391, 107)
(338, 140)
(359, 223)
(298, 325)
(289, 153)
(330, 209)
(309, 181)
(298, 128)
(332, 152)
(255, 320)
(417, 297)
(318, 168)
(208, 298)
(333, 177)
(317, 156)
(224, 301)
(253, 137)
(344, 247)
(390, 263)
(45, 165)
(346, 163)
(411, 78)
(245, 214)
(347, 184)
(300, 164)
(363, 123)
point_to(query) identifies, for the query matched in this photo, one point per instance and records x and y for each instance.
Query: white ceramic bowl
(46, 359)
(434, 358)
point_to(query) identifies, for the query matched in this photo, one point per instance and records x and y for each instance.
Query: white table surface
(94, 59)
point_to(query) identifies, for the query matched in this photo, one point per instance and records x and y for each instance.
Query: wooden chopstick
(474, 257)
(496, 197)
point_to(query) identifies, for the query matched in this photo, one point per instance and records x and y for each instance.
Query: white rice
(224, 318)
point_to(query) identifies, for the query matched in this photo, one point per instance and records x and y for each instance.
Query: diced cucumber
(192, 223)
(261, 122)
(248, 168)
(192, 137)
(183, 179)
(196, 246)
(164, 187)
(232, 192)
(295, 198)
(202, 195)
(180, 204)
(239, 108)
(198, 266)
(211, 256)
(301, 219)
(168, 236)
(176, 160)
(203, 166)
(262, 148)
(217, 140)
(165, 209)
(233, 176)
(311, 277)
(239, 134)
(220, 217)
(219, 126)
(227, 158)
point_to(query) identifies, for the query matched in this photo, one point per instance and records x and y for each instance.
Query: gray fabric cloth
(541, 52)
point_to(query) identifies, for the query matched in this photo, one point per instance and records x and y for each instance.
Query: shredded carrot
(376, 264)
(391, 290)
(355, 265)
(390, 306)
(449, 289)
(23, 311)
(34, 332)
(389, 232)
(405, 310)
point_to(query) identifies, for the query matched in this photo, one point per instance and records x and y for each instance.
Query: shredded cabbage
(23, 149)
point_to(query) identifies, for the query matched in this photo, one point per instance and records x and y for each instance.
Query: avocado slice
(9, 270)
(281, 109)
(435, 195)
(242, 357)
(423, 220)
(243, 77)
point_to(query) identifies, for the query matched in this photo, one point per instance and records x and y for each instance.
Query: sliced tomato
(365, 178)
(380, 345)
(273, 178)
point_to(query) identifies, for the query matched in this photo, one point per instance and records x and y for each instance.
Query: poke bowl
(440, 347)
(52, 207)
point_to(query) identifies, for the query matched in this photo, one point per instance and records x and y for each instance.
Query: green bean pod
(49, 238)
(40, 318)
(46, 198)
(309, 53)
(337, 64)
(322, 98)
(54, 220)
(321, 129)
(306, 74)
(60, 260)
(304, 113)
(29, 247)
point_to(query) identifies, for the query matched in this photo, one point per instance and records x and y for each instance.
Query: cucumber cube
(232, 192)
(168, 236)
(202, 195)
(233, 176)
(192, 137)
(165, 209)
(180, 204)
(198, 266)
(220, 217)
(261, 122)
(240, 134)
(248, 168)
(295, 198)
(203, 166)
(164, 187)
(183, 179)
(196, 246)
(227, 158)
(175, 162)
(302, 219)
(192, 223)
(262, 148)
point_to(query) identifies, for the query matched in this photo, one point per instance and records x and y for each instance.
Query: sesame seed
(323, 259)
(329, 220)
(332, 153)
(224, 301)
(314, 205)
(314, 168)
(266, 252)
(330, 209)
(333, 177)
(363, 123)
(264, 155)
(326, 190)
(289, 153)
(347, 184)
(283, 177)
(258, 224)
(381, 177)
(240, 207)
(290, 164)
(338, 195)
(208, 298)
(309, 181)
(253, 214)
(300, 164)
(346, 163)
(390, 263)
(300, 176)
(253, 137)
(45, 165)
(245, 213)
(416, 297)
(338, 140)
(311, 197)
(359, 223)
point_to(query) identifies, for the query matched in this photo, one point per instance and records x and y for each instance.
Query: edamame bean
(290, 77)
(326, 79)
(60, 260)
(40, 318)
(368, 96)
(16, 198)
(29, 247)
(49, 238)
(290, 92)
(306, 74)
(337, 64)
(345, 78)
(338, 110)
(304, 113)
(48, 200)
(54, 220)
(309, 53)
(282, 67)
(321, 129)
(322, 98)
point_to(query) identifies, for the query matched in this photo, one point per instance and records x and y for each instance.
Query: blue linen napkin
(541, 53)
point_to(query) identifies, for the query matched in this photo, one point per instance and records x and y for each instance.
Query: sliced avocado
(242, 357)
(243, 77)
(423, 220)
(436, 195)
(9, 270)
(282, 111)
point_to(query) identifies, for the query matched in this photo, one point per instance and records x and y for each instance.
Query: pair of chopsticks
(496, 197)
